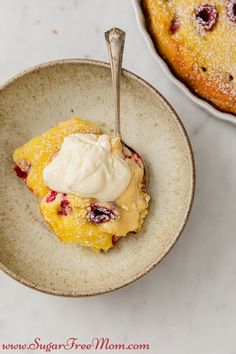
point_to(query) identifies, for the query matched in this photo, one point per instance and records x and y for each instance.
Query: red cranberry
(21, 174)
(206, 16)
(99, 214)
(65, 207)
(138, 159)
(51, 196)
(231, 10)
(115, 239)
(174, 26)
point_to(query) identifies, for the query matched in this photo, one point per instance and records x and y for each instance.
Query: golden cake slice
(87, 221)
(97, 224)
(33, 157)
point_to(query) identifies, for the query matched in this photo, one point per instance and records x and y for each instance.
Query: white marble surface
(187, 304)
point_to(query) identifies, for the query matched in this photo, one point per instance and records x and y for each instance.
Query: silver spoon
(115, 39)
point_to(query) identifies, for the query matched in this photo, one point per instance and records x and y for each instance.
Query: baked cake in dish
(198, 41)
(85, 220)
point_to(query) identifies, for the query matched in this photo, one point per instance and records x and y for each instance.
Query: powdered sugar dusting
(205, 54)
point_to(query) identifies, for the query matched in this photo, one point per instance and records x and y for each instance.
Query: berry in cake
(206, 16)
(231, 10)
(174, 25)
(99, 213)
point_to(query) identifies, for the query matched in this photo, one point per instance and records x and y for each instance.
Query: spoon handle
(115, 39)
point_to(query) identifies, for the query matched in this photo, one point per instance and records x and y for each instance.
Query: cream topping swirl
(85, 166)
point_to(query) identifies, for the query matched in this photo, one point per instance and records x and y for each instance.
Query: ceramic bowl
(199, 101)
(38, 99)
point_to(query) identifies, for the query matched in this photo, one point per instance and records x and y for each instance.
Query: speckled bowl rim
(156, 93)
(152, 49)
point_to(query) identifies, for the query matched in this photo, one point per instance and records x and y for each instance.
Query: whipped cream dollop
(86, 166)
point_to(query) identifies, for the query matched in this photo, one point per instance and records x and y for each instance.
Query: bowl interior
(39, 99)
